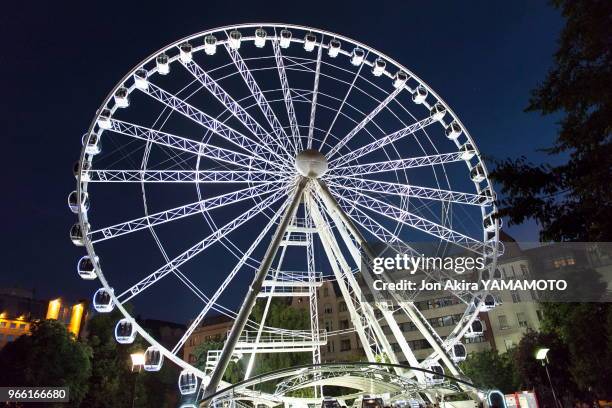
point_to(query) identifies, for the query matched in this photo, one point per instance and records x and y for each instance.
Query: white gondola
(437, 377)
(122, 97)
(420, 94)
(475, 329)
(76, 234)
(334, 48)
(467, 151)
(103, 301)
(285, 38)
(310, 40)
(210, 44)
(458, 352)
(437, 111)
(187, 382)
(140, 79)
(163, 64)
(76, 169)
(379, 67)
(104, 119)
(357, 56)
(487, 196)
(185, 50)
(400, 79)
(453, 131)
(73, 202)
(125, 332)
(477, 173)
(153, 359)
(489, 222)
(234, 39)
(92, 144)
(260, 37)
(86, 268)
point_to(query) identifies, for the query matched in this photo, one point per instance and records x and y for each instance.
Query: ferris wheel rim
(82, 186)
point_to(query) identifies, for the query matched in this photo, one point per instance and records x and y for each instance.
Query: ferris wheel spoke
(280, 65)
(414, 221)
(212, 124)
(384, 235)
(260, 99)
(348, 92)
(187, 145)
(236, 110)
(196, 249)
(228, 279)
(401, 164)
(408, 190)
(176, 213)
(315, 92)
(383, 141)
(363, 122)
(182, 176)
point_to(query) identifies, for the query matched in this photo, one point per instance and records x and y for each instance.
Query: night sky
(59, 61)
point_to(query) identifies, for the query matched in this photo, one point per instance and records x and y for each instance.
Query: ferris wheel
(257, 161)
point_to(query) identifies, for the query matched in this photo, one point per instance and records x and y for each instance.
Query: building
(212, 328)
(19, 309)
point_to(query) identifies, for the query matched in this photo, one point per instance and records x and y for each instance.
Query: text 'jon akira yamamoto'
(454, 284)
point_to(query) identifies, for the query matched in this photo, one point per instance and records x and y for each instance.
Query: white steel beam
(315, 93)
(183, 176)
(280, 65)
(401, 164)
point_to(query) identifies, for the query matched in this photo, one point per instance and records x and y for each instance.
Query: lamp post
(138, 360)
(541, 354)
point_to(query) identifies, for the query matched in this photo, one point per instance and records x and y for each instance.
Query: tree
(51, 357)
(490, 370)
(571, 201)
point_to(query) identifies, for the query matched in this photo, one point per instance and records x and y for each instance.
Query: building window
(509, 344)
(13, 325)
(326, 291)
(503, 322)
(345, 345)
(522, 320)
(515, 296)
(344, 324)
(342, 306)
(524, 270)
(328, 325)
(22, 326)
(10, 337)
(477, 339)
(327, 308)
(330, 346)
(567, 260)
(396, 347)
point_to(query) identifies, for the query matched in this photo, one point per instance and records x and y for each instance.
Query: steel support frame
(255, 288)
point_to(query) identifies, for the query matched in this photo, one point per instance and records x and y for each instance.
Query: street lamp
(138, 360)
(541, 354)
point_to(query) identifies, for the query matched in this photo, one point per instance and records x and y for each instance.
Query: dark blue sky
(59, 61)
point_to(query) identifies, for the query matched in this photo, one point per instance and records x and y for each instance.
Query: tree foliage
(571, 201)
(490, 370)
(48, 357)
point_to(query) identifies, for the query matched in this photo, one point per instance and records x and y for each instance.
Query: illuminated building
(19, 309)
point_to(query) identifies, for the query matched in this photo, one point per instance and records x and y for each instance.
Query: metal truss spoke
(383, 141)
(414, 221)
(196, 249)
(173, 214)
(408, 190)
(182, 176)
(401, 164)
(315, 93)
(228, 279)
(187, 145)
(236, 110)
(363, 122)
(259, 97)
(280, 65)
(213, 124)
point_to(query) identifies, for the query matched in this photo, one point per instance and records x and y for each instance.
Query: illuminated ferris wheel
(257, 161)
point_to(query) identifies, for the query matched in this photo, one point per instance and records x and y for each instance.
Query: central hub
(311, 163)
